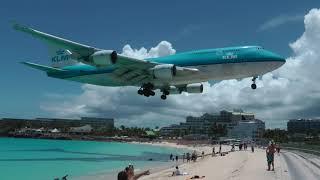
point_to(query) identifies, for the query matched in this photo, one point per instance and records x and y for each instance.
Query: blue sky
(113, 24)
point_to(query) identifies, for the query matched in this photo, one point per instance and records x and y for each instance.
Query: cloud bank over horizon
(292, 91)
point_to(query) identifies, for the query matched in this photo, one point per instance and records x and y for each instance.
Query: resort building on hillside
(303, 125)
(206, 125)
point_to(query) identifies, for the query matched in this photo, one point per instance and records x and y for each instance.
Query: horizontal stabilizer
(42, 67)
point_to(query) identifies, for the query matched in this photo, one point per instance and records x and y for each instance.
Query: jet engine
(164, 71)
(194, 88)
(103, 58)
(174, 90)
(189, 88)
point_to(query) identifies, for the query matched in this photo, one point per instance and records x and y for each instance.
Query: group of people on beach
(186, 157)
(190, 157)
(272, 148)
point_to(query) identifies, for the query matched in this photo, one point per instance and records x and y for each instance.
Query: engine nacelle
(164, 71)
(103, 58)
(174, 90)
(194, 88)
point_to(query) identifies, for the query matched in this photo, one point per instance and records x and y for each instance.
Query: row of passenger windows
(224, 51)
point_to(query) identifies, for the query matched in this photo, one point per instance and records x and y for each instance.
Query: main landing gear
(165, 94)
(146, 90)
(253, 85)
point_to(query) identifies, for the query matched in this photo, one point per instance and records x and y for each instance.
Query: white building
(203, 125)
(83, 129)
(252, 129)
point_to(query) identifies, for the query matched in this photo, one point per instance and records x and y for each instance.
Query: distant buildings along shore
(229, 124)
(303, 126)
(84, 125)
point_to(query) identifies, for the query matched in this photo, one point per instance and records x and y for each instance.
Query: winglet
(42, 67)
(22, 28)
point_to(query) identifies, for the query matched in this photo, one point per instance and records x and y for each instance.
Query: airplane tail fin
(59, 55)
(44, 68)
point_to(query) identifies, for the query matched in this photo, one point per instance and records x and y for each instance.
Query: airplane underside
(207, 72)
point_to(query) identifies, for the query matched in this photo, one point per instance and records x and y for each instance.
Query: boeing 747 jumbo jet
(173, 74)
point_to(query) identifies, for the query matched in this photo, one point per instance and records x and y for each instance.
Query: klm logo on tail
(61, 56)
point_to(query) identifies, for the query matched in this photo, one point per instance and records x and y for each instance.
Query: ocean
(39, 159)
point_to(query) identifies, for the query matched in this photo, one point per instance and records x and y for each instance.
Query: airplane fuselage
(213, 64)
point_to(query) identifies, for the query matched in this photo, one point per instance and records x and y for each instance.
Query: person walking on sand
(202, 154)
(270, 155)
(177, 158)
(252, 147)
(278, 149)
(220, 149)
(213, 151)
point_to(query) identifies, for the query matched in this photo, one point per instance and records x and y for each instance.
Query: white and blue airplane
(173, 74)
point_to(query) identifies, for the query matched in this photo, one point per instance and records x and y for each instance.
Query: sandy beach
(234, 165)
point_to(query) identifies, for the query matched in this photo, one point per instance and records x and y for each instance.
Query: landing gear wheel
(163, 97)
(146, 93)
(165, 92)
(253, 86)
(152, 93)
(140, 92)
(146, 90)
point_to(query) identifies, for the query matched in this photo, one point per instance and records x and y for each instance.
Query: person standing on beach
(183, 157)
(278, 149)
(220, 149)
(213, 151)
(177, 158)
(270, 155)
(188, 157)
(252, 147)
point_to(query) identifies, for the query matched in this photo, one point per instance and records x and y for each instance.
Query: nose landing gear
(253, 85)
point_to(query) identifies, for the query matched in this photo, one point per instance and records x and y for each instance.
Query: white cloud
(164, 48)
(280, 20)
(291, 91)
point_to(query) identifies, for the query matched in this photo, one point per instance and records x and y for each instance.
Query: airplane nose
(274, 57)
(279, 58)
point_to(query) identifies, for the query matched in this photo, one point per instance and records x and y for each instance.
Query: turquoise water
(37, 159)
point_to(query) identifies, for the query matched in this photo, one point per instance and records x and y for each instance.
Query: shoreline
(155, 169)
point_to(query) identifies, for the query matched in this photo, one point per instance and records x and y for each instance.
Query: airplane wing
(77, 49)
(137, 71)
(43, 68)
(128, 70)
